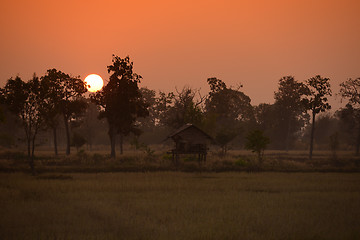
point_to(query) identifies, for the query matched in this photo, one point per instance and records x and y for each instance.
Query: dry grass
(171, 205)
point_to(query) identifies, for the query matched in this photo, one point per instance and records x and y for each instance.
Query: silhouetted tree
(9, 128)
(224, 137)
(227, 110)
(62, 96)
(350, 124)
(290, 109)
(24, 100)
(350, 90)
(88, 123)
(121, 100)
(257, 142)
(326, 126)
(2, 115)
(317, 101)
(77, 141)
(149, 97)
(184, 108)
(162, 105)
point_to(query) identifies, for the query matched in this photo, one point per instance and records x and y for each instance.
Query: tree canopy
(121, 99)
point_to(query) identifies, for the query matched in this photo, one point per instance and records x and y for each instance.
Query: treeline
(126, 112)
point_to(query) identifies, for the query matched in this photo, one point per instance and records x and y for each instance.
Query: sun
(94, 82)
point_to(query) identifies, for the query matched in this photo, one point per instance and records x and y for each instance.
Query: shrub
(257, 142)
(241, 162)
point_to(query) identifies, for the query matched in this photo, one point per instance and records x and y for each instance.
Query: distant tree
(334, 144)
(184, 108)
(149, 97)
(223, 138)
(2, 115)
(317, 101)
(227, 111)
(350, 125)
(257, 142)
(290, 109)
(350, 90)
(62, 95)
(121, 100)
(87, 123)
(163, 103)
(77, 141)
(23, 99)
(327, 125)
(9, 128)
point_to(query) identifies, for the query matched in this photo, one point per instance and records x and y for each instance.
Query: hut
(189, 139)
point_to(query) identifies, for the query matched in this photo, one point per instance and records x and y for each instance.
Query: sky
(182, 43)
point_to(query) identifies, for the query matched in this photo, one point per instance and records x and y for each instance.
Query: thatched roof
(189, 127)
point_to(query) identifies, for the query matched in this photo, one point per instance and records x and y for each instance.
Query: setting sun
(94, 82)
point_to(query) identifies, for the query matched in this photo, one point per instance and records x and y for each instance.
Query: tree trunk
(121, 143)
(112, 135)
(312, 134)
(288, 136)
(55, 141)
(67, 135)
(30, 157)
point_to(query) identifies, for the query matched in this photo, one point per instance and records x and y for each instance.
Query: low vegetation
(174, 205)
(151, 159)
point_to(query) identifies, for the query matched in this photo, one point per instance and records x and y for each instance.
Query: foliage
(121, 100)
(149, 97)
(177, 109)
(237, 107)
(257, 142)
(350, 119)
(289, 111)
(317, 101)
(223, 138)
(24, 100)
(62, 96)
(318, 92)
(350, 90)
(228, 110)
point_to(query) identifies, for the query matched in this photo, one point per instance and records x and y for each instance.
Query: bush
(241, 162)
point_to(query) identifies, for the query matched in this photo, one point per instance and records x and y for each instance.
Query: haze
(177, 43)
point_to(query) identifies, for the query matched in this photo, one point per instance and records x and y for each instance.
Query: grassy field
(138, 161)
(176, 205)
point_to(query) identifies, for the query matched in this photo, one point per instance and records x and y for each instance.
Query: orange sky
(177, 43)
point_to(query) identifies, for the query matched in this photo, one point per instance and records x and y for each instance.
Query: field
(178, 205)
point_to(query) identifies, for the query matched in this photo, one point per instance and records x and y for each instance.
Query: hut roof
(187, 127)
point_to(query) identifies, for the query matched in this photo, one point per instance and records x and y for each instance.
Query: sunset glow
(252, 42)
(94, 82)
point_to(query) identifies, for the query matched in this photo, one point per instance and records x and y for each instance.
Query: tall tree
(121, 100)
(318, 92)
(291, 111)
(350, 90)
(227, 110)
(24, 100)
(62, 95)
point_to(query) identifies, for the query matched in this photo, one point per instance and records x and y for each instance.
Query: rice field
(177, 205)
